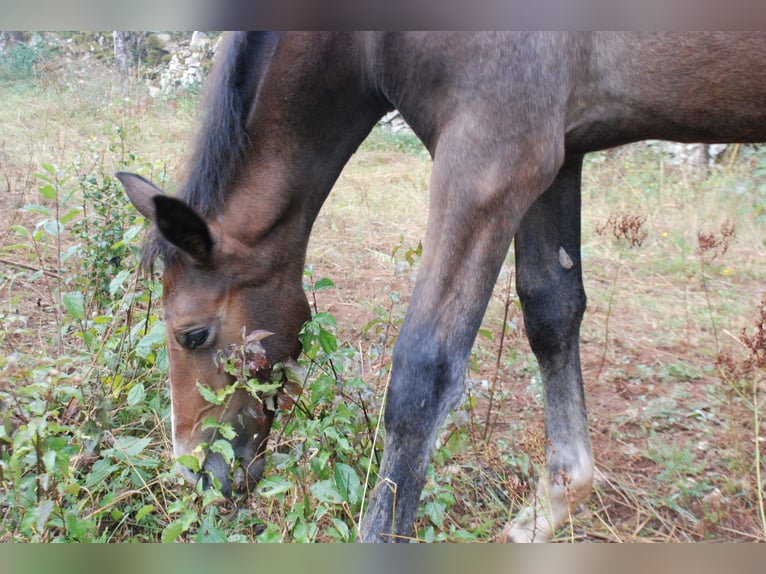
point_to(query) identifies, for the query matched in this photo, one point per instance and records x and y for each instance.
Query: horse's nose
(216, 468)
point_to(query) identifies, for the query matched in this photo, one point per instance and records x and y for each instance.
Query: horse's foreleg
(473, 216)
(549, 283)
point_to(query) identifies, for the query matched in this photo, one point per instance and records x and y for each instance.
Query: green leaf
(49, 460)
(255, 387)
(155, 336)
(101, 470)
(144, 511)
(130, 446)
(323, 283)
(436, 511)
(327, 341)
(20, 230)
(487, 334)
(347, 482)
(136, 394)
(74, 303)
(342, 528)
(325, 491)
(273, 485)
(224, 448)
(70, 251)
(224, 429)
(116, 283)
(209, 533)
(325, 319)
(210, 395)
(33, 208)
(48, 192)
(42, 512)
(52, 227)
(77, 527)
(70, 215)
(173, 531)
(131, 233)
(189, 461)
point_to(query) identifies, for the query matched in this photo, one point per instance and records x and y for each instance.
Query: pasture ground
(672, 344)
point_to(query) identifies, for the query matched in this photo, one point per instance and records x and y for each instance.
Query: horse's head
(214, 287)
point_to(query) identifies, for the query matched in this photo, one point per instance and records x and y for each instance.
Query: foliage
(80, 454)
(19, 61)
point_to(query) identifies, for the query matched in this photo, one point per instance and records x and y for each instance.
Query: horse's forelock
(156, 248)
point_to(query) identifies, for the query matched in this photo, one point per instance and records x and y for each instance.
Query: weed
(627, 230)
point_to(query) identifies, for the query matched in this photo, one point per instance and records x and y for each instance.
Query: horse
(507, 119)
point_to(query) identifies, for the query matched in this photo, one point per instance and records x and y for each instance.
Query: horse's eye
(194, 339)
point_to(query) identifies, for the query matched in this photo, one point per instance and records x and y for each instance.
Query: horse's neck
(312, 112)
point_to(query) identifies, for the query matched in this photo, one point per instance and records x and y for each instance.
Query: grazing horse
(507, 119)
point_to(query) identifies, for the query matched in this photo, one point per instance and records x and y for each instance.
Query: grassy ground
(673, 270)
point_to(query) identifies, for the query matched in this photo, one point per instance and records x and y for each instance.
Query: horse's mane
(222, 141)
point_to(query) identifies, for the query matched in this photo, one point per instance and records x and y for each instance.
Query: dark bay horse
(507, 119)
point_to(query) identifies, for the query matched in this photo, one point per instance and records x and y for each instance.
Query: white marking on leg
(554, 503)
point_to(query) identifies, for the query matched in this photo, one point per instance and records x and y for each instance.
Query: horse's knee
(426, 383)
(552, 311)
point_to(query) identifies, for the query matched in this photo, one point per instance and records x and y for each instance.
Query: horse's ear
(183, 227)
(141, 193)
(177, 222)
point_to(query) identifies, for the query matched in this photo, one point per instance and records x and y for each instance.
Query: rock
(188, 64)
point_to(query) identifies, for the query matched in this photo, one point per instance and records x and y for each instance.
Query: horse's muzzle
(239, 478)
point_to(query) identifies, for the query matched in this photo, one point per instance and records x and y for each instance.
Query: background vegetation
(673, 340)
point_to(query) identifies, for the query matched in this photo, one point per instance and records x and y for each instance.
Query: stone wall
(189, 64)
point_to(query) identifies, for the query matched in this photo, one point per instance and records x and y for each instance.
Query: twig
(495, 375)
(29, 267)
(606, 320)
